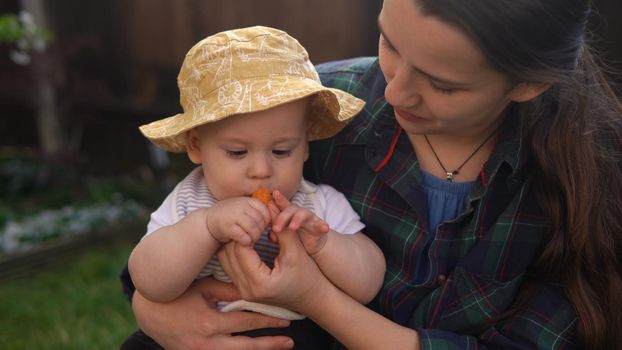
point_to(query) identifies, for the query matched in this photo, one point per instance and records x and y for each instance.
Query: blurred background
(77, 179)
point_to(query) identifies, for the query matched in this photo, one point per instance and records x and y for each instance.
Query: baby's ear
(193, 148)
(527, 91)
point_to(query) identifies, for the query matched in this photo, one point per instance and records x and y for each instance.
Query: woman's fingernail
(288, 344)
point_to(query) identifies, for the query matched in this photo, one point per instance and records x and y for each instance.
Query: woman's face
(438, 80)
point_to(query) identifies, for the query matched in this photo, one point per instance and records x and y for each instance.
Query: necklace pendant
(449, 176)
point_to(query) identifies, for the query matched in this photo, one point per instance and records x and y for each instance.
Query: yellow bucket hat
(249, 70)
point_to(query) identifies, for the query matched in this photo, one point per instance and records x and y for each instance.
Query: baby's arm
(164, 263)
(353, 262)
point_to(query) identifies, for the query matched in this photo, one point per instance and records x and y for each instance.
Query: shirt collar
(509, 151)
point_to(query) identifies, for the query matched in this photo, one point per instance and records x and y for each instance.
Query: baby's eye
(236, 153)
(281, 152)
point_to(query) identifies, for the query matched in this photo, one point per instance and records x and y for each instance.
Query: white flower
(27, 19)
(67, 221)
(10, 237)
(19, 57)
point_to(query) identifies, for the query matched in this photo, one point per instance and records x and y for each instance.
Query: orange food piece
(263, 194)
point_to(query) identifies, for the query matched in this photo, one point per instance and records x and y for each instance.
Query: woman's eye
(281, 152)
(236, 153)
(440, 89)
(387, 45)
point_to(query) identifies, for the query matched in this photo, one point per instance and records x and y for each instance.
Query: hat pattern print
(249, 70)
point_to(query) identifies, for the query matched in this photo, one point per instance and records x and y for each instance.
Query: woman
(486, 166)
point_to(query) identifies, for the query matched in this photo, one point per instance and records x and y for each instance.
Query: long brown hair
(573, 132)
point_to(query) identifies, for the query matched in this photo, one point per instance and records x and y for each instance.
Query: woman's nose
(402, 89)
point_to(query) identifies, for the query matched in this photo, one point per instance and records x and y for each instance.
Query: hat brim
(331, 109)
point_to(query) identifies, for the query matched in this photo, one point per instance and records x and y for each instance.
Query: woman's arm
(353, 263)
(358, 327)
(192, 321)
(354, 325)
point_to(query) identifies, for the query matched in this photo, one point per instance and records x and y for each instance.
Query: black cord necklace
(449, 175)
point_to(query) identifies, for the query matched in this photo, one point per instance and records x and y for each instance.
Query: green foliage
(14, 28)
(78, 306)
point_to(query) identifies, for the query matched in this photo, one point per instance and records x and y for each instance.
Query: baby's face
(241, 153)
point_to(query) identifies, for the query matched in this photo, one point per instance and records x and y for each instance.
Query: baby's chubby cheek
(289, 189)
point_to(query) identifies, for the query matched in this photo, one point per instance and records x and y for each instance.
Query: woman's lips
(408, 116)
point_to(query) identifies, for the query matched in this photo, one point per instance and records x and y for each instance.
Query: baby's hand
(241, 219)
(311, 229)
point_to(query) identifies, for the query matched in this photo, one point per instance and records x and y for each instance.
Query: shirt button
(441, 279)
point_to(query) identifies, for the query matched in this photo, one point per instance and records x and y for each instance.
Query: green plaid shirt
(477, 262)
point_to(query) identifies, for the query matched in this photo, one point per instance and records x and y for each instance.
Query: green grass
(78, 305)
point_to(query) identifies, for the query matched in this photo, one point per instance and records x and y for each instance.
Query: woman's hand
(192, 321)
(295, 282)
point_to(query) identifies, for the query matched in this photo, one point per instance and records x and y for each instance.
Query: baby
(251, 102)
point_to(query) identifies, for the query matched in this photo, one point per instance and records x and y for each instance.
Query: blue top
(445, 201)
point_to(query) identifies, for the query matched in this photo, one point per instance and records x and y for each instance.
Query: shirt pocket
(467, 299)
